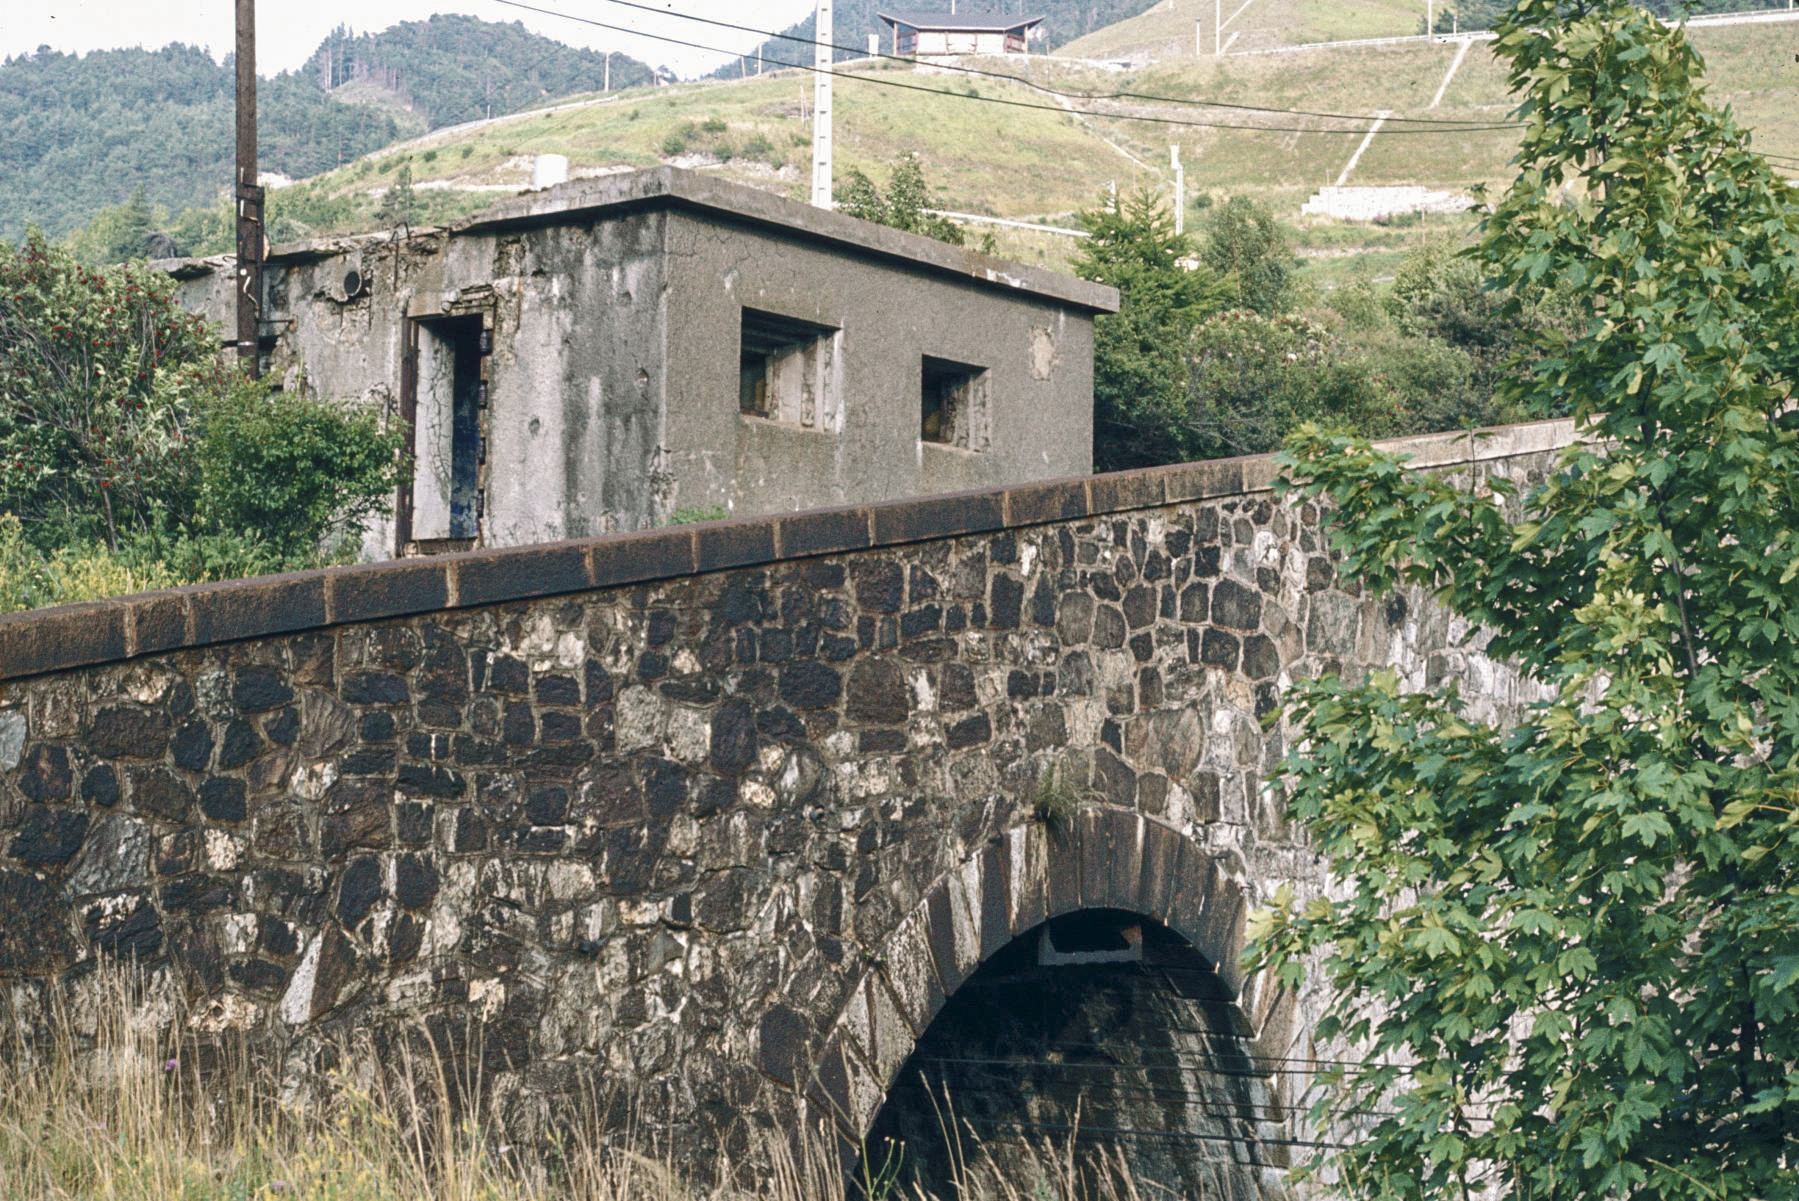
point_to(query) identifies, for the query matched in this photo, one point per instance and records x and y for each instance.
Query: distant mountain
(81, 133)
(853, 20)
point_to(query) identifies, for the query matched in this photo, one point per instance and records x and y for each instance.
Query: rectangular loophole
(953, 404)
(789, 371)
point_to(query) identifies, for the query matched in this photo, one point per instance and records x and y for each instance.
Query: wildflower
(171, 1064)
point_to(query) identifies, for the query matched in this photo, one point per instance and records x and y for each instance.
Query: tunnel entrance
(1100, 1031)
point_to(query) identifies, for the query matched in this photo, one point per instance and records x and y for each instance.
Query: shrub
(714, 125)
(675, 143)
(289, 470)
(690, 514)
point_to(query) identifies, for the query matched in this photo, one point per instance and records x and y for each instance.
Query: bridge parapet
(657, 805)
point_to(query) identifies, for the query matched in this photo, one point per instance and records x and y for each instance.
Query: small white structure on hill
(950, 35)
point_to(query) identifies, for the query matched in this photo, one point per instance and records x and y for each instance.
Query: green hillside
(81, 132)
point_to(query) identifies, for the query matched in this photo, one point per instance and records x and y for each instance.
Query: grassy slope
(1041, 165)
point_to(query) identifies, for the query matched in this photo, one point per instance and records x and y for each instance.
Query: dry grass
(103, 1103)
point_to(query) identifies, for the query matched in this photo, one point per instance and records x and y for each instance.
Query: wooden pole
(248, 195)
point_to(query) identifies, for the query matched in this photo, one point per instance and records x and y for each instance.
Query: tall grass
(112, 1092)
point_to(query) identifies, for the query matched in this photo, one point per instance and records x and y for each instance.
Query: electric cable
(859, 52)
(1000, 100)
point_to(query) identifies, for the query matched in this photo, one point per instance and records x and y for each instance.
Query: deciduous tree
(1569, 949)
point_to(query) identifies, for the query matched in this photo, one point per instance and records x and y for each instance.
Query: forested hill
(854, 20)
(458, 68)
(80, 133)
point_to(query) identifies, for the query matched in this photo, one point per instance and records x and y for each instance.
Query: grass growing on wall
(103, 1103)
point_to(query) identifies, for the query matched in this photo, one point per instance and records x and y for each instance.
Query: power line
(1043, 87)
(999, 100)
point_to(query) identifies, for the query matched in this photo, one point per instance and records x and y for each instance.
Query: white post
(1180, 189)
(1198, 35)
(607, 85)
(821, 109)
(1430, 21)
(874, 45)
(1217, 27)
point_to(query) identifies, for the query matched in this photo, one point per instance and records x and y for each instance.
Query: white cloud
(288, 32)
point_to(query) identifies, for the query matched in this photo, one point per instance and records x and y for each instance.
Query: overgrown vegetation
(1580, 933)
(904, 204)
(1217, 350)
(130, 456)
(117, 1094)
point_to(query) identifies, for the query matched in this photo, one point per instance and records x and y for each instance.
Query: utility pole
(821, 108)
(606, 78)
(1430, 18)
(1198, 31)
(248, 195)
(1180, 189)
(1217, 28)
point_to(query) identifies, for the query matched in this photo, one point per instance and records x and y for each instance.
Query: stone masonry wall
(719, 814)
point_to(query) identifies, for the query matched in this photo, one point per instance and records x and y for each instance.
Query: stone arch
(1107, 858)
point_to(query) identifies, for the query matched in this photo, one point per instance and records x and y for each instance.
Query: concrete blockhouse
(596, 356)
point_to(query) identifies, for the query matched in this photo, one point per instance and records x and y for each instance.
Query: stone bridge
(723, 815)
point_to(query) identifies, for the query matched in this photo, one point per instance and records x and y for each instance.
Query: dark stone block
(648, 555)
(427, 780)
(880, 584)
(1219, 649)
(67, 636)
(822, 532)
(1114, 780)
(1196, 603)
(222, 799)
(491, 577)
(1143, 647)
(557, 727)
(940, 933)
(369, 591)
(276, 937)
(1005, 602)
(714, 796)
(1140, 607)
(810, 685)
(369, 761)
(734, 741)
(470, 832)
(1206, 561)
(44, 774)
(652, 665)
(259, 689)
(1043, 602)
(878, 693)
(1108, 628)
(158, 793)
(283, 728)
(664, 787)
(100, 786)
(970, 731)
(1197, 481)
(1261, 659)
(257, 607)
(412, 822)
(192, 746)
(558, 690)
(127, 733)
(137, 936)
(358, 889)
(375, 688)
(405, 939)
(783, 1044)
(376, 727)
(240, 745)
(881, 741)
(415, 882)
(258, 975)
(780, 724)
(1236, 606)
(955, 688)
(599, 683)
(939, 517)
(49, 837)
(507, 674)
(921, 621)
(547, 806)
(194, 895)
(996, 918)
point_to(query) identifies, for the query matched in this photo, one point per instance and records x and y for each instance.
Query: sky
(288, 31)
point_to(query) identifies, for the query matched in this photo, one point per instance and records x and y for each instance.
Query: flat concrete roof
(676, 188)
(673, 187)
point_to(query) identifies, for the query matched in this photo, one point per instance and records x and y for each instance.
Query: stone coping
(39, 641)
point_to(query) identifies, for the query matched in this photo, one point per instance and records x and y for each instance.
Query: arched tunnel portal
(1102, 1033)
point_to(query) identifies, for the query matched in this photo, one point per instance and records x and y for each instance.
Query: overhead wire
(964, 69)
(1000, 100)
